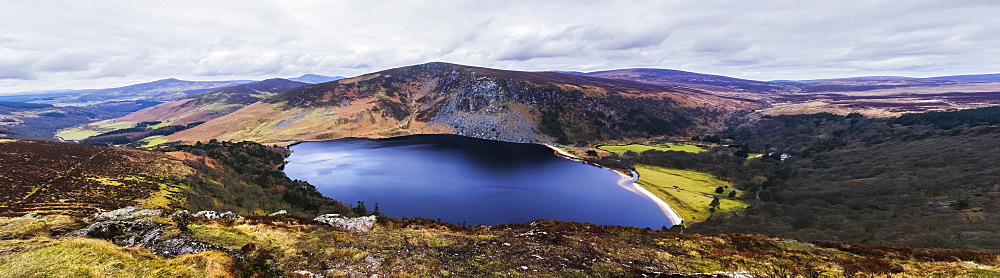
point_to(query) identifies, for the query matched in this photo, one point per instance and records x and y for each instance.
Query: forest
(921, 180)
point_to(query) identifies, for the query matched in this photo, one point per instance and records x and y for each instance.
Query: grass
(638, 148)
(28, 227)
(84, 257)
(687, 192)
(77, 133)
(153, 141)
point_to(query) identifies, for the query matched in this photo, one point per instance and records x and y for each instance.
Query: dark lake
(456, 179)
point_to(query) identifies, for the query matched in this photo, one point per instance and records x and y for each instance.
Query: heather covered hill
(477, 102)
(50, 177)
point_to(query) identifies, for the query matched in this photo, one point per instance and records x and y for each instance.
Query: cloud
(127, 41)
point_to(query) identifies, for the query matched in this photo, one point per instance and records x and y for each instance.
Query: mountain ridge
(473, 101)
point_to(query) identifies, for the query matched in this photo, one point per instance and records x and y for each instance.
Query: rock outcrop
(144, 228)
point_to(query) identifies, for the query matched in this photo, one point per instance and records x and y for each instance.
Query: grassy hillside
(284, 246)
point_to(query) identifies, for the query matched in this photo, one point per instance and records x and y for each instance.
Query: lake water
(456, 179)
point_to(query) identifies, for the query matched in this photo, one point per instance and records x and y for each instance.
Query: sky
(47, 45)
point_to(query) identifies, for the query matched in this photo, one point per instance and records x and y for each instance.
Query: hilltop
(477, 102)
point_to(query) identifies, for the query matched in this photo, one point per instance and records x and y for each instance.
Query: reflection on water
(456, 179)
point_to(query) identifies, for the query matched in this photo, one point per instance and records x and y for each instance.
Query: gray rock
(356, 225)
(124, 214)
(230, 215)
(280, 212)
(211, 214)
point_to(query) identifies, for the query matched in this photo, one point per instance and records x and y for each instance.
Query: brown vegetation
(41, 176)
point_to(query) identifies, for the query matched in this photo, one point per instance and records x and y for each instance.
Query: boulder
(355, 225)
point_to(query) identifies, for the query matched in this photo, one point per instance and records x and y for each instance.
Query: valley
(823, 173)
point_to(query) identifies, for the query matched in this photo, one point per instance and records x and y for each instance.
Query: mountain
(478, 102)
(717, 84)
(315, 78)
(203, 107)
(160, 90)
(995, 77)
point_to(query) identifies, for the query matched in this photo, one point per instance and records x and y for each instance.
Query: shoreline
(626, 180)
(664, 207)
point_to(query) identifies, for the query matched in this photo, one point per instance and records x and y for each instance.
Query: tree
(361, 210)
(715, 202)
(591, 152)
(720, 190)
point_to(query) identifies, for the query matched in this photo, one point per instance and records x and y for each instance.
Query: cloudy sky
(81, 44)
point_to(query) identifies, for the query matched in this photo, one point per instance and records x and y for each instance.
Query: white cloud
(74, 44)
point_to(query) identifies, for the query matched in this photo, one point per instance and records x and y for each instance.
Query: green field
(92, 129)
(638, 148)
(152, 141)
(687, 192)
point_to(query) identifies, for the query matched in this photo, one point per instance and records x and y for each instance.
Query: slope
(477, 102)
(202, 108)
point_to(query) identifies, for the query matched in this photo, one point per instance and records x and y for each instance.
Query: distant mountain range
(212, 104)
(315, 78)
(160, 90)
(201, 108)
